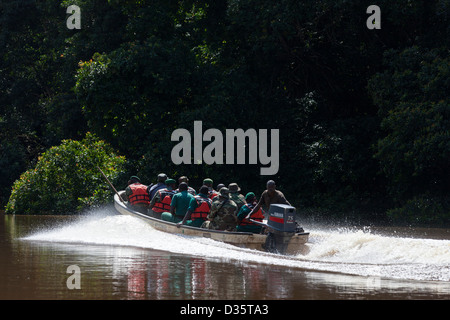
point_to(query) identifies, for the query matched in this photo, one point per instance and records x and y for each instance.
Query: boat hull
(249, 240)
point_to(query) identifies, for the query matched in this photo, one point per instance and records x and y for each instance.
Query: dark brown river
(106, 256)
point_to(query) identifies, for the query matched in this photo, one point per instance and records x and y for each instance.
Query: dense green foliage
(363, 114)
(66, 178)
(414, 104)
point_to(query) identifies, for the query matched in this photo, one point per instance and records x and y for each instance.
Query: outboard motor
(282, 227)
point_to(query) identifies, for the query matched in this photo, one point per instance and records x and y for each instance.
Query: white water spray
(350, 252)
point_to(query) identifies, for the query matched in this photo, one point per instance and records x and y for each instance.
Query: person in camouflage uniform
(238, 198)
(223, 213)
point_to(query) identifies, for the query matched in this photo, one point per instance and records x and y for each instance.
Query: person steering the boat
(270, 196)
(199, 208)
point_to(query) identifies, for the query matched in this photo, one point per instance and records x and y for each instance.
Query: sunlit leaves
(66, 178)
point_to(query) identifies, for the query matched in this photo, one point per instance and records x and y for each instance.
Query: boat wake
(353, 252)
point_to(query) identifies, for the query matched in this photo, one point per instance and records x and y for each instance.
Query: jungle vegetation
(363, 114)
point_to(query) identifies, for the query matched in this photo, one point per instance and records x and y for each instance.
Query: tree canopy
(363, 113)
(67, 178)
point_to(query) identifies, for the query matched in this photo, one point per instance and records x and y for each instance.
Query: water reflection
(38, 270)
(160, 275)
(133, 273)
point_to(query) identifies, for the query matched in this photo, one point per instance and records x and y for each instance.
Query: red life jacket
(203, 208)
(139, 195)
(165, 198)
(212, 194)
(257, 216)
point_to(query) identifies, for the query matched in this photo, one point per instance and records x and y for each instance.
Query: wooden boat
(294, 243)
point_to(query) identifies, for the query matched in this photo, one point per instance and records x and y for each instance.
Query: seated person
(136, 192)
(223, 213)
(163, 197)
(199, 209)
(179, 204)
(158, 186)
(211, 192)
(186, 180)
(245, 225)
(235, 195)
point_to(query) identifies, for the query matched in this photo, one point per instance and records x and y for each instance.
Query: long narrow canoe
(249, 240)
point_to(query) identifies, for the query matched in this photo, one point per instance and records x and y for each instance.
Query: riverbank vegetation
(363, 114)
(67, 178)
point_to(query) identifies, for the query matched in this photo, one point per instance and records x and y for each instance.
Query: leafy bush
(66, 178)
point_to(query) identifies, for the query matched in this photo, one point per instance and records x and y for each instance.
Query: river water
(121, 257)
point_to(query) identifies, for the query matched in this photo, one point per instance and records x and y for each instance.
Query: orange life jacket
(165, 198)
(257, 216)
(139, 195)
(203, 208)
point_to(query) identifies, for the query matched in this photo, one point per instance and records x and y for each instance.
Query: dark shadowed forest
(363, 114)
